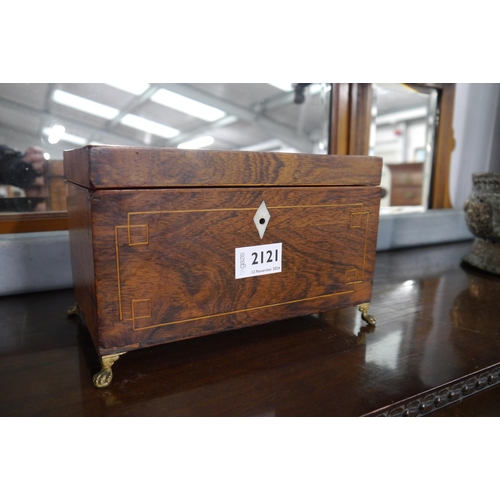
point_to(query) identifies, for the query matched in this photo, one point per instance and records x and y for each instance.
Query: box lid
(97, 167)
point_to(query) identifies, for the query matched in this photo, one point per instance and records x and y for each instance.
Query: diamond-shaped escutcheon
(261, 219)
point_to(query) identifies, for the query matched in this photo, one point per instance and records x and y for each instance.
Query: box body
(156, 259)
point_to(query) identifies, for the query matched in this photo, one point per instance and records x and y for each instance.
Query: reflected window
(281, 117)
(403, 133)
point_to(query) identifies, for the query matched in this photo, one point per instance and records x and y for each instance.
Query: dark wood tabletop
(435, 349)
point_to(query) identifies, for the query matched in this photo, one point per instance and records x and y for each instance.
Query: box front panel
(172, 264)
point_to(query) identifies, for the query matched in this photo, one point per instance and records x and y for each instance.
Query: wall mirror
(57, 116)
(314, 118)
(402, 132)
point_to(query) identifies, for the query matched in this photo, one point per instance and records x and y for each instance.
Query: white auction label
(257, 260)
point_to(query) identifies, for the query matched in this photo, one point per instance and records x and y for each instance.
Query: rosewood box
(168, 244)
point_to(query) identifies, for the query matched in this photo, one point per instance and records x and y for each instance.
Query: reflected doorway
(402, 132)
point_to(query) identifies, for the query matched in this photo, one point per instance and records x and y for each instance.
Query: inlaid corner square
(356, 220)
(138, 235)
(141, 309)
(351, 276)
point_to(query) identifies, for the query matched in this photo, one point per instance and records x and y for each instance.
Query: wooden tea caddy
(169, 244)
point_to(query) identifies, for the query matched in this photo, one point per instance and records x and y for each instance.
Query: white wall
(476, 125)
(33, 262)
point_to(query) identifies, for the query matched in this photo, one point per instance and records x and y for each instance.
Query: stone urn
(482, 215)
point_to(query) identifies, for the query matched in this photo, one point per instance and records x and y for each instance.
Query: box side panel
(76, 166)
(82, 260)
(125, 167)
(166, 266)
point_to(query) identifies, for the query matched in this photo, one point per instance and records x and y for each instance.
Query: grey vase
(482, 215)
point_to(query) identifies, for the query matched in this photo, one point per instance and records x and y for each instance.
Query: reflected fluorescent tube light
(146, 125)
(55, 134)
(286, 87)
(85, 105)
(135, 88)
(187, 105)
(315, 88)
(73, 139)
(200, 142)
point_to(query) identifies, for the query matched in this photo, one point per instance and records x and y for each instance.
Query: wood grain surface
(82, 254)
(158, 265)
(165, 259)
(131, 167)
(32, 222)
(437, 330)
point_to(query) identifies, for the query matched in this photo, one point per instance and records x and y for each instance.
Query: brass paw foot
(74, 310)
(367, 317)
(104, 377)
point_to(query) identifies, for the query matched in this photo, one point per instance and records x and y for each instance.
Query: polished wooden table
(435, 349)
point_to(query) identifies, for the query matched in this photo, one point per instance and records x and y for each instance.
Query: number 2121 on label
(257, 260)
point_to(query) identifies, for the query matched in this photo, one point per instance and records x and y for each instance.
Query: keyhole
(262, 221)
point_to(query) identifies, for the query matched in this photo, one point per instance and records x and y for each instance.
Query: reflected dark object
(14, 171)
(481, 294)
(482, 215)
(363, 331)
(299, 89)
(19, 204)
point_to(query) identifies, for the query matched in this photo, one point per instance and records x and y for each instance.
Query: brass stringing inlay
(356, 223)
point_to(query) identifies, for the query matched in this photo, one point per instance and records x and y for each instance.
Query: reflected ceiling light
(135, 88)
(146, 125)
(73, 139)
(55, 134)
(316, 88)
(199, 142)
(85, 105)
(186, 105)
(286, 87)
(46, 156)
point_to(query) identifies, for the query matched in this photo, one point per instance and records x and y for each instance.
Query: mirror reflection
(38, 121)
(402, 133)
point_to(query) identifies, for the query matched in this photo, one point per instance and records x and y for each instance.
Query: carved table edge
(442, 396)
